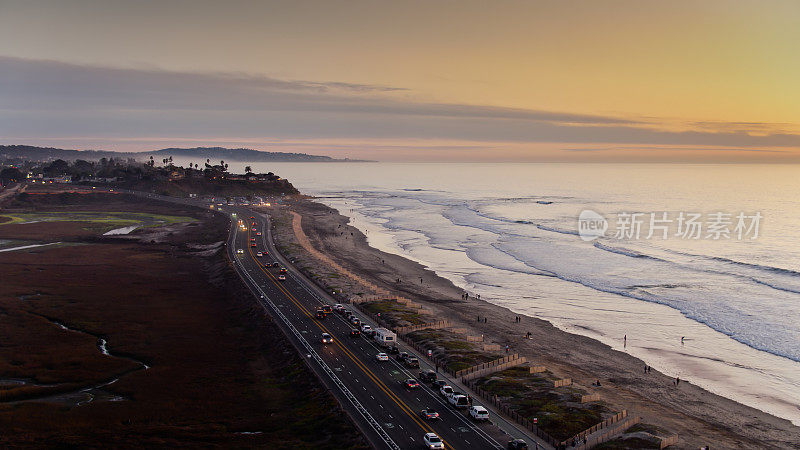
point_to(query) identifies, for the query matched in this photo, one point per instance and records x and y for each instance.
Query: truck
(385, 337)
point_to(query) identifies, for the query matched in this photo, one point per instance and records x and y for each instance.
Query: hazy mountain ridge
(29, 152)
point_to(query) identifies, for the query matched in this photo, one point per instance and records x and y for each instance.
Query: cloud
(51, 99)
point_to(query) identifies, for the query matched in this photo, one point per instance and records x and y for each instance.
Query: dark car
(275, 264)
(429, 414)
(427, 376)
(355, 333)
(320, 314)
(517, 444)
(393, 350)
(411, 384)
(438, 384)
(411, 362)
(327, 309)
(283, 270)
(401, 356)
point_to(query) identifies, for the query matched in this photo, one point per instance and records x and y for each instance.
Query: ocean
(721, 310)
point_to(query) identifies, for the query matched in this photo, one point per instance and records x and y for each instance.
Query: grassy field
(100, 220)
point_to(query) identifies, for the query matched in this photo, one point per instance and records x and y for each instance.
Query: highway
(371, 391)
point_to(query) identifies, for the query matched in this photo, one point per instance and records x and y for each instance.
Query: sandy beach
(697, 416)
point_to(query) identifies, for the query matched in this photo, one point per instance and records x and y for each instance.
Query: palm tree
(248, 169)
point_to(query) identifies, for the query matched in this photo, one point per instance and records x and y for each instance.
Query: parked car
(459, 401)
(445, 390)
(429, 414)
(479, 413)
(338, 307)
(327, 338)
(275, 264)
(401, 356)
(365, 328)
(433, 442)
(411, 383)
(355, 333)
(517, 444)
(411, 362)
(393, 350)
(382, 357)
(427, 376)
(438, 384)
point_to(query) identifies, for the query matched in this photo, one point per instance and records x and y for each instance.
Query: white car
(446, 390)
(365, 328)
(382, 357)
(239, 251)
(458, 400)
(479, 413)
(259, 254)
(432, 441)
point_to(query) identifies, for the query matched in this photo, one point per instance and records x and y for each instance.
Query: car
(479, 413)
(355, 333)
(445, 390)
(253, 229)
(327, 338)
(438, 384)
(401, 356)
(252, 239)
(327, 309)
(432, 441)
(281, 277)
(258, 234)
(275, 264)
(411, 362)
(259, 254)
(252, 217)
(382, 357)
(355, 321)
(427, 376)
(459, 400)
(338, 307)
(393, 350)
(365, 328)
(370, 333)
(253, 244)
(283, 270)
(347, 313)
(239, 250)
(429, 414)
(319, 315)
(411, 383)
(517, 444)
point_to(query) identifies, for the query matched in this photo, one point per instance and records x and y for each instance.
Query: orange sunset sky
(700, 81)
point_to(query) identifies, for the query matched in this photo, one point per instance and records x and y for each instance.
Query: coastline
(698, 416)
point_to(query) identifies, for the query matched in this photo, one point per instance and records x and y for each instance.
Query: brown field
(218, 366)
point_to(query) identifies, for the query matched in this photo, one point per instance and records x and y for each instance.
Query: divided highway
(372, 391)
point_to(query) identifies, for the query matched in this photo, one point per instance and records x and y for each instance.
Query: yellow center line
(403, 406)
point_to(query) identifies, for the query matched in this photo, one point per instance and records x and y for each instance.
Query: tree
(248, 169)
(57, 167)
(11, 175)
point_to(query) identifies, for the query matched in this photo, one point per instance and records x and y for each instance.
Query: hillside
(32, 153)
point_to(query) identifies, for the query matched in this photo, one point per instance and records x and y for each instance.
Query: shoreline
(697, 415)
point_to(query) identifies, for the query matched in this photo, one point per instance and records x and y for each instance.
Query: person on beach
(682, 338)
(625, 341)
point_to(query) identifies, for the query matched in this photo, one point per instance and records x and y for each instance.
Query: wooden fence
(487, 365)
(425, 326)
(590, 398)
(604, 424)
(597, 439)
(562, 382)
(670, 440)
(538, 369)
(493, 369)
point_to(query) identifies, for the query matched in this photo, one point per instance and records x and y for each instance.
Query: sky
(606, 81)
